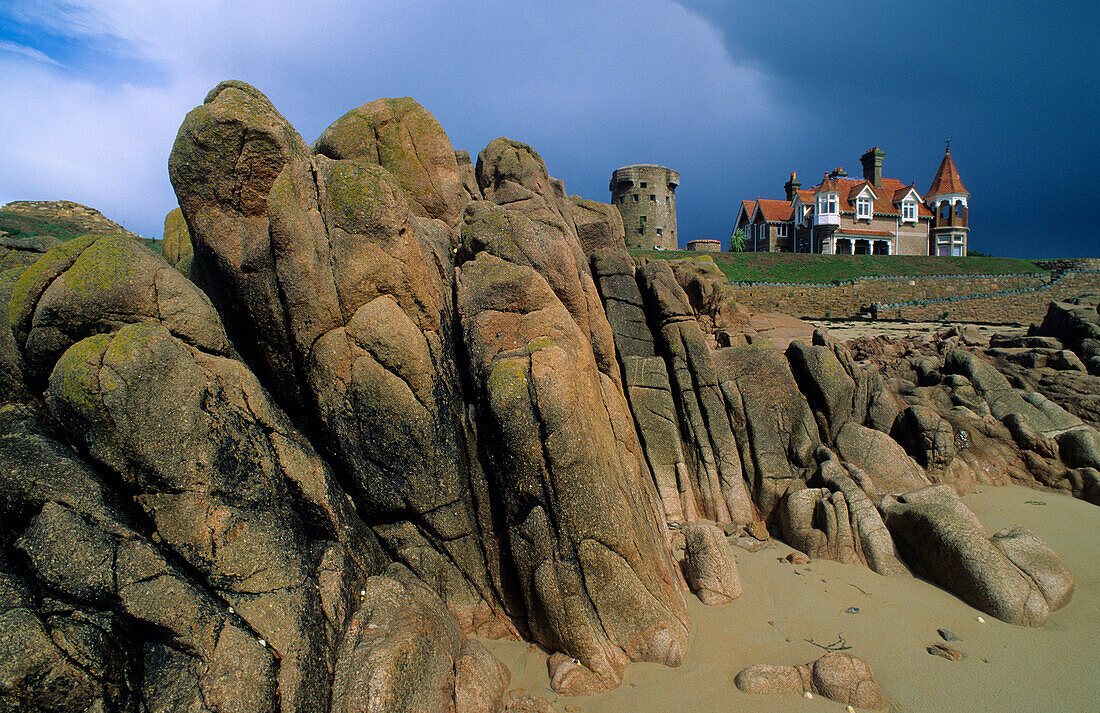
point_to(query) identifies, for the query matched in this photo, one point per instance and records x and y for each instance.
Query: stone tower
(645, 195)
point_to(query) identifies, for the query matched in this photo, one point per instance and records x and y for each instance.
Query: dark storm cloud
(1013, 85)
(732, 95)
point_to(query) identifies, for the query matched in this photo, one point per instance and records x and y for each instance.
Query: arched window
(945, 210)
(962, 210)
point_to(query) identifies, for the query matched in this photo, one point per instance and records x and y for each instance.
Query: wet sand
(1006, 669)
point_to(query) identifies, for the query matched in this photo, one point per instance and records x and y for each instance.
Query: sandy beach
(888, 622)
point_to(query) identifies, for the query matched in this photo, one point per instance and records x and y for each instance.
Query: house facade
(861, 216)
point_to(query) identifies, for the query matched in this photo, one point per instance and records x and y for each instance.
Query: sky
(733, 95)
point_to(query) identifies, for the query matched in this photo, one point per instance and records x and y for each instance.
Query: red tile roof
(884, 197)
(774, 211)
(947, 178)
(859, 187)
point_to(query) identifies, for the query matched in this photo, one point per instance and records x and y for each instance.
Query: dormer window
(827, 204)
(909, 211)
(863, 207)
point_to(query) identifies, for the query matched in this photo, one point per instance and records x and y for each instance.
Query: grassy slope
(802, 267)
(20, 225)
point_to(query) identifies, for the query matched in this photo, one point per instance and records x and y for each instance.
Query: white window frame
(909, 211)
(781, 230)
(863, 207)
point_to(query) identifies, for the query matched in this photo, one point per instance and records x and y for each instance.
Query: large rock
(590, 561)
(940, 536)
(248, 187)
(771, 420)
(837, 676)
(403, 652)
(1075, 325)
(646, 383)
(226, 482)
(405, 139)
(827, 386)
(96, 284)
(512, 174)
(118, 604)
(342, 296)
(511, 234)
(838, 519)
(709, 565)
(176, 245)
(1042, 414)
(599, 225)
(887, 464)
(926, 436)
(714, 456)
(12, 381)
(1039, 562)
(716, 308)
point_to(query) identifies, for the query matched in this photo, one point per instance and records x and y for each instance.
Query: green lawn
(805, 267)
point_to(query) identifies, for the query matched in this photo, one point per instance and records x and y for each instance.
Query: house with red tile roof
(868, 215)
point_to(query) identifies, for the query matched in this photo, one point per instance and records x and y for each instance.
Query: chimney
(872, 166)
(792, 186)
(838, 172)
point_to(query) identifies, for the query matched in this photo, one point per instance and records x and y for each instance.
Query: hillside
(803, 267)
(63, 220)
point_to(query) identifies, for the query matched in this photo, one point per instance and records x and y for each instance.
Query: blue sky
(733, 95)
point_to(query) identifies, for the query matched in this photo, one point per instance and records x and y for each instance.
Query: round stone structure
(645, 195)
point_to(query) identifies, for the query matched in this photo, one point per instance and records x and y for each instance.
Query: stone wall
(1023, 298)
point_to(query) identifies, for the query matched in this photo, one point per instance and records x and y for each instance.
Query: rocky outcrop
(592, 569)
(838, 520)
(176, 243)
(947, 543)
(405, 139)
(709, 565)
(599, 225)
(73, 219)
(771, 419)
(1078, 327)
(18, 252)
(713, 453)
(358, 340)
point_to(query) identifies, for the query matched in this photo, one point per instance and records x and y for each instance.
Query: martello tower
(645, 195)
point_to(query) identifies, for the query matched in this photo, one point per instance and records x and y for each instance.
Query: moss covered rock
(176, 247)
(406, 140)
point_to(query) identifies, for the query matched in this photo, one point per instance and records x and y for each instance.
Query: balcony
(827, 219)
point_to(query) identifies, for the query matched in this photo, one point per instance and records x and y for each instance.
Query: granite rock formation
(379, 399)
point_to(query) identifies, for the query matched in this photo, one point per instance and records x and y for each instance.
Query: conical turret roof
(947, 178)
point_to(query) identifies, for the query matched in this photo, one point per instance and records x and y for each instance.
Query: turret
(948, 200)
(645, 195)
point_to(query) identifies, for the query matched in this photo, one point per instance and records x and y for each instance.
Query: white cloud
(28, 52)
(590, 85)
